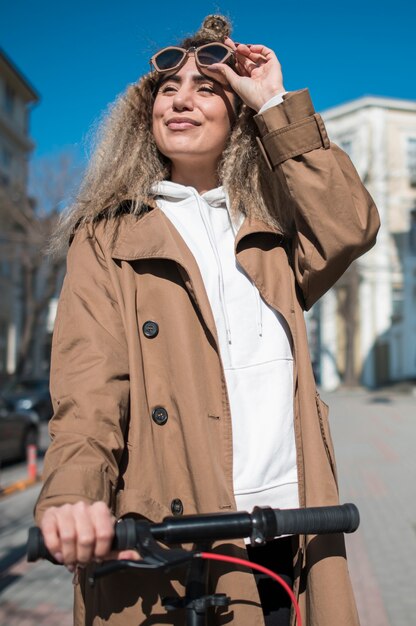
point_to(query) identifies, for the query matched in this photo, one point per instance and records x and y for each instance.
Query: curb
(19, 485)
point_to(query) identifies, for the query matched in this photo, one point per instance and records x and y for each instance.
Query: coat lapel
(155, 237)
(265, 261)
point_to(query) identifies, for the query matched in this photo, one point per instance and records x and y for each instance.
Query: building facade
(17, 97)
(367, 322)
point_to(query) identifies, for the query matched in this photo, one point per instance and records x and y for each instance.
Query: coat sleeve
(89, 384)
(335, 219)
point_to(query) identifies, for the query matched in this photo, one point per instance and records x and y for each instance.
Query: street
(374, 434)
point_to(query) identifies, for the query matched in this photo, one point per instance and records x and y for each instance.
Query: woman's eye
(167, 88)
(207, 88)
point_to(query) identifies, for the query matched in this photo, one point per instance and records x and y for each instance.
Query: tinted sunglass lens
(168, 59)
(211, 54)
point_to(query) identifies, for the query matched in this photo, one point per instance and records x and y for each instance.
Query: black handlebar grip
(310, 521)
(36, 548)
(124, 538)
(343, 518)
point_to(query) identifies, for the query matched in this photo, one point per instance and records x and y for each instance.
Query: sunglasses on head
(173, 58)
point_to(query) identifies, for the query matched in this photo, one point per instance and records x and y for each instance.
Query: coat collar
(254, 226)
(266, 263)
(149, 236)
(154, 236)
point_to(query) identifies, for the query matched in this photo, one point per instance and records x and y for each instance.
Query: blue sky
(80, 55)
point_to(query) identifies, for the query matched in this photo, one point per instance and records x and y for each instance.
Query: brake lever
(153, 555)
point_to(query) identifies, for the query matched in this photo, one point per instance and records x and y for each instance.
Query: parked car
(18, 429)
(30, 394)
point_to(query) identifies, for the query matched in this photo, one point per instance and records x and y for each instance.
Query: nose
(183, 100)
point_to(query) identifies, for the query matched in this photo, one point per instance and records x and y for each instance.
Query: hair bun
(217, 26)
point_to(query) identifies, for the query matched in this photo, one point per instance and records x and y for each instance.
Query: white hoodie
(255, 347)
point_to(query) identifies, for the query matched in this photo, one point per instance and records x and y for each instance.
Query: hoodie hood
(175, 192)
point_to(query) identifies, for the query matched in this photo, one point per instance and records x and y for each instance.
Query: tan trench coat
(108, 376)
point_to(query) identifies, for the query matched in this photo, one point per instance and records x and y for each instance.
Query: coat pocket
(323, 411)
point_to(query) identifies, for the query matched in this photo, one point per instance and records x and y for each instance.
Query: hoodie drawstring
(256, 293)
(217, 197)
(211, 238)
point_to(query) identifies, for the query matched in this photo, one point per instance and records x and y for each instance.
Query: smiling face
(192, 117)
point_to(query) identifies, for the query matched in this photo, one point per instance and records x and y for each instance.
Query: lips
(181, 123)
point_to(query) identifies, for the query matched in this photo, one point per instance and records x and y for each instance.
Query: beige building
(16, 98)
(366, 325)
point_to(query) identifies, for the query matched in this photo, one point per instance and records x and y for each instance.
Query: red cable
(260, 568)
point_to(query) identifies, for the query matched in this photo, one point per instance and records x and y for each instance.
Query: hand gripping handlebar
(263, 524)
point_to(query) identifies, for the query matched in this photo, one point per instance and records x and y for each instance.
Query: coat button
(159, 415)
(176, 506)
(150, 329)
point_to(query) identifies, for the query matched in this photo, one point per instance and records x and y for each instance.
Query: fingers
(247, 65)
(258, 49)
(220, 72)
(224, 74)
(256, 55)
(127, 555)
(65, 528)
(78, 533)
(103, 522)
(49, 527)
(85, 536)
(230, 43)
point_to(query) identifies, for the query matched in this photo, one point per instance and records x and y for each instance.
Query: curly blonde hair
(126, 161)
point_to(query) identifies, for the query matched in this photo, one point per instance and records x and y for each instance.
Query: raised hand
(258, 76)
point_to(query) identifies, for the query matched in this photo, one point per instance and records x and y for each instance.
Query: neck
(201, 178)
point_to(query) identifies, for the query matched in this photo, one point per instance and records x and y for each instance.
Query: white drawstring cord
(256, 293)
(218, 260)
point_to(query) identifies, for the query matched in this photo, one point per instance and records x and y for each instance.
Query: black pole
(196, 588)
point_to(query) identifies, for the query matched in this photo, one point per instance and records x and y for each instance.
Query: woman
(215, 212)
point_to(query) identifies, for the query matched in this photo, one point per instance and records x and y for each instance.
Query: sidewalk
(31, 594)
(374, 435)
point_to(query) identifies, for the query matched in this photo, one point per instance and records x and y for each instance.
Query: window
(412, 232)
(3, 346)
(9, 100)
(411, 160)
(397, 303)
(6, 159)
(5, 269)
(4, 179)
